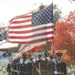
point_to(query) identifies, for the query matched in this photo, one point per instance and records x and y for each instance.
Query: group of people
(43, 66)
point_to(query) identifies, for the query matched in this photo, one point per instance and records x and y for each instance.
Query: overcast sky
(11, 8)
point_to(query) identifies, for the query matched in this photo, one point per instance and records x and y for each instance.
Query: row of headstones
(71, 70)
(3, 67)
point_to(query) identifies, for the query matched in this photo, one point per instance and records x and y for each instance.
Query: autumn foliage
(65, 35)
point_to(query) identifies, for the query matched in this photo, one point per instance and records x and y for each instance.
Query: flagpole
(54, 55)
(53, 41)
(53, 49)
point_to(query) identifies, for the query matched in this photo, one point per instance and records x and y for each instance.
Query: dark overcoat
(61, 68)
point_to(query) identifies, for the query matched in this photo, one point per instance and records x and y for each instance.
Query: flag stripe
(29, 42)
(34, 38)
(35, 31)
(22, 21)
(23, 37)
(20, 26)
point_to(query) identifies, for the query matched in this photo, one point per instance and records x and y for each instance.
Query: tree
(65, 35)
(56, 13)
(71, 0)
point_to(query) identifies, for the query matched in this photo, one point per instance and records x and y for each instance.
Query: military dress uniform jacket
(61, 68)
(38, 67)
(12, 69)
(33, 69)
(20, 69)
(9, 67)
(50, 68)
(15, 69)
(29, 68)
(45, 69)
(25, 69)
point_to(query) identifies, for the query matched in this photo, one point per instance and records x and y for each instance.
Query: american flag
(32, 28)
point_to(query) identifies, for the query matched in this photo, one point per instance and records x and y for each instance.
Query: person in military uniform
(44, 70)
(29, 65)
(39, 66)
(61, 65)
(21, 67)
(24, 65)
(33, 61)
(10, 67)
(50, 66)
(15, 67)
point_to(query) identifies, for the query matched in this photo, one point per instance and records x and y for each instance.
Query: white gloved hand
(55, 72)
(48, 58)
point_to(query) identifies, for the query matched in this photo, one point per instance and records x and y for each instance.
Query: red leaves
(62, 35)
(65, 34)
